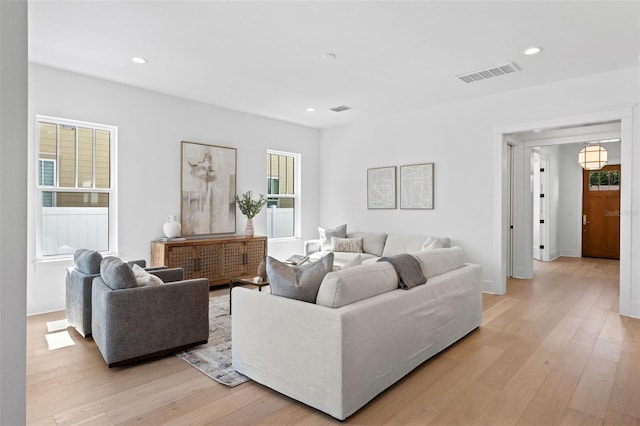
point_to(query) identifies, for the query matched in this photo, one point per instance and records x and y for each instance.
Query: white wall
(150, 128)
(459, 138)
(13, 210)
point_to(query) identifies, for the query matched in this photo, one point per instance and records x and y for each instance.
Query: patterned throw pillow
(347, 245)
(327, 233)
(301, 283)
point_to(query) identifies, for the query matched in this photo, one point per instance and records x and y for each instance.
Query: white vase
(248, 230)
(171, 227)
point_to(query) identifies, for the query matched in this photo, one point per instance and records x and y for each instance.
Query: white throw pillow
(327, 233)
(436, 243)
(143, 278)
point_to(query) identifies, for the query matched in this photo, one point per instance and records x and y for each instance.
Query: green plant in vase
(250, 208)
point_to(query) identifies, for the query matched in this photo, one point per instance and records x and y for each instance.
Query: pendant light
(592, 157)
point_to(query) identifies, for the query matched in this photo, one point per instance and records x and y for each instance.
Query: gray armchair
(133, 323)
(78, 289)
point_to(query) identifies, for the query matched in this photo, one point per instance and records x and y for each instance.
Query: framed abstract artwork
(207, 189)
(381, 188)
(416, 186)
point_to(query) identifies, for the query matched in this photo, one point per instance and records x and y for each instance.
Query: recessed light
(139, 60)
(537, 130)
(329, 56)
(311, 109)
(533, 50)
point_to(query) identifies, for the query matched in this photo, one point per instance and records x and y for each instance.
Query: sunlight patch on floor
(59, 340)
(57, 325)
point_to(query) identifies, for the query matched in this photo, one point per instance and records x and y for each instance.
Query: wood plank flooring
(552, 351)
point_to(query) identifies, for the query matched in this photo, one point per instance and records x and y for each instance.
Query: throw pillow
(347, 245)
(298, 282)
(117, 274)
(144, 278)
(327, 233)
(87, 261)
(435, 243)
(432, 243)
(356, 261)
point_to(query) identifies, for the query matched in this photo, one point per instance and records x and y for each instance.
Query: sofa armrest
(277, 349)
(337, 360)
(132, 323)
(312, 246)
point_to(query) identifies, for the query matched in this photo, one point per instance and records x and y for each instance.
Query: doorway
(601, 212)
(606, 125)
(540, 207)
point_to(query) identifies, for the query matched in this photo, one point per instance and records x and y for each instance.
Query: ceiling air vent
(341, 108)
(489, 73)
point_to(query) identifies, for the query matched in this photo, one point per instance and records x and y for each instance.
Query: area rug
(214, 357)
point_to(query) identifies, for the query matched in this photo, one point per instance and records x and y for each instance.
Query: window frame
(297, 197)
(112, 191)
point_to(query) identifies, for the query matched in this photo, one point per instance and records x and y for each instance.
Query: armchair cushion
(117, 274)
(87, 261)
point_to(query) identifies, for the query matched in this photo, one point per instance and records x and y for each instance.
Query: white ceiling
(266, 57)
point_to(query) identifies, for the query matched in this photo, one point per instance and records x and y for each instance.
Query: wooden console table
(216, 258)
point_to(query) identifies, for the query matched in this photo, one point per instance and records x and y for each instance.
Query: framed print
(207, 189)
(416, 186)
(381, 188)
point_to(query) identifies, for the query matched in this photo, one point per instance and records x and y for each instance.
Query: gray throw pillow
(117, 274)
(87, 261)
(301, 283)
(327, 233)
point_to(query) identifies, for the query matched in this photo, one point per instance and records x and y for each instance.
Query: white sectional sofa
(374, 245)
(363, 333)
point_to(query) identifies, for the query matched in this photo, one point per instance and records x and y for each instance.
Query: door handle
(584, 219)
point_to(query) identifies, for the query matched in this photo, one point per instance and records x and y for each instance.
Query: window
(75, 189)
(282, 194)
(604, 180)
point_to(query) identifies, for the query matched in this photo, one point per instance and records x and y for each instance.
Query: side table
(254, 281)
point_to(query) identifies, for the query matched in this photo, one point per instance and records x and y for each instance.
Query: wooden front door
(601, 212)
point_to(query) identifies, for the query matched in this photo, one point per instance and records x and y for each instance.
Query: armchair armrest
(168, 275)
(312, 246)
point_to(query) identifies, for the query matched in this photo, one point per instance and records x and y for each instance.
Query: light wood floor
(551, 351)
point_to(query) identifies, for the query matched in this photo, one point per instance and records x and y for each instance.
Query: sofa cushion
(356, 261)
(372, 242)
(143, 278)
(87, 261)
(340, 259)
(349, 245)
(298, 282)
(438, 261)
(117, 274)
(349, 285)
(327, 233)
